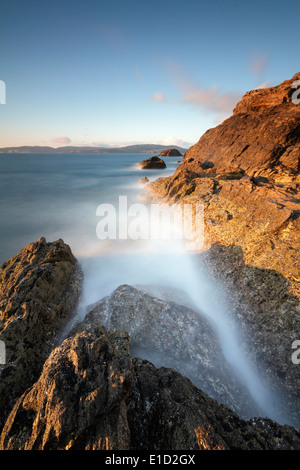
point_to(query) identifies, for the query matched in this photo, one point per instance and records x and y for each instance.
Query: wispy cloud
(158, 98)
(209, 99)
(176, 141)
(258, 66)
(63, 140)
(258, 63)
(265, 85)
(212, 99)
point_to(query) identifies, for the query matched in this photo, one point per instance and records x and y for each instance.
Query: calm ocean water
(56, 196)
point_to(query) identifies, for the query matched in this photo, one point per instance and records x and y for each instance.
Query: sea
(65, 196)
(60, 196)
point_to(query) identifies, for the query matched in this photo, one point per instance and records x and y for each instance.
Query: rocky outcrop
(245, 172)
(89, 392)
(39, 289)
(170, 153)
(152, 163)
(173, 335)
(267, 316)
(79, 400)
(262, 138)
(92, 396)
(144, 180)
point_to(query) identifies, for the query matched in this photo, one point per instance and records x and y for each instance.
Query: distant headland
(138, 148)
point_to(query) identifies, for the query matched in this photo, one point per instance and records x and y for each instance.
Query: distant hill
(139, 148)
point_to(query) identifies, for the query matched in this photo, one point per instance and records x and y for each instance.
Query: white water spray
(167, 263)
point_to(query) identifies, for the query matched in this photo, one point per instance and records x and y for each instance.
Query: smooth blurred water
(56, 196)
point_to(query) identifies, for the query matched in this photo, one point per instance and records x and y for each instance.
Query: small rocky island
(170, 153)
(152, 163)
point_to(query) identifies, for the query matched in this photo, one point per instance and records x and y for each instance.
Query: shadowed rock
(173, 335)
(92, 396)
(39, 289)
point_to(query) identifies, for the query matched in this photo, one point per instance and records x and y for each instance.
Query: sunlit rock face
(262, 138)
(246, 174)
(170, 153)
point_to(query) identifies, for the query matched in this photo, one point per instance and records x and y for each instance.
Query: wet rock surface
(267, 315)
(92, 396)
(173, 335)
(39, 289)
(92, 393)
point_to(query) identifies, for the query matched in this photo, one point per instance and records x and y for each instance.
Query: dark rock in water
(177, 415)
(143, 180)
(39, 289)
(170, 153)
(152, 163)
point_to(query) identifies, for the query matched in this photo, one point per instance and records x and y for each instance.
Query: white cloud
(212, 99)
(172, 141)
(63, 140)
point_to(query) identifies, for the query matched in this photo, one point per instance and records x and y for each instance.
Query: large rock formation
(92, 396)
(39, 289)
(91, 393)
(246, 174)
(172, 335)
(262, 138)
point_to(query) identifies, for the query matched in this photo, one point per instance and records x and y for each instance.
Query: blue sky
(121, 72)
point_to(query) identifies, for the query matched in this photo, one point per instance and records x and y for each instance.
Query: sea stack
(152, 163)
